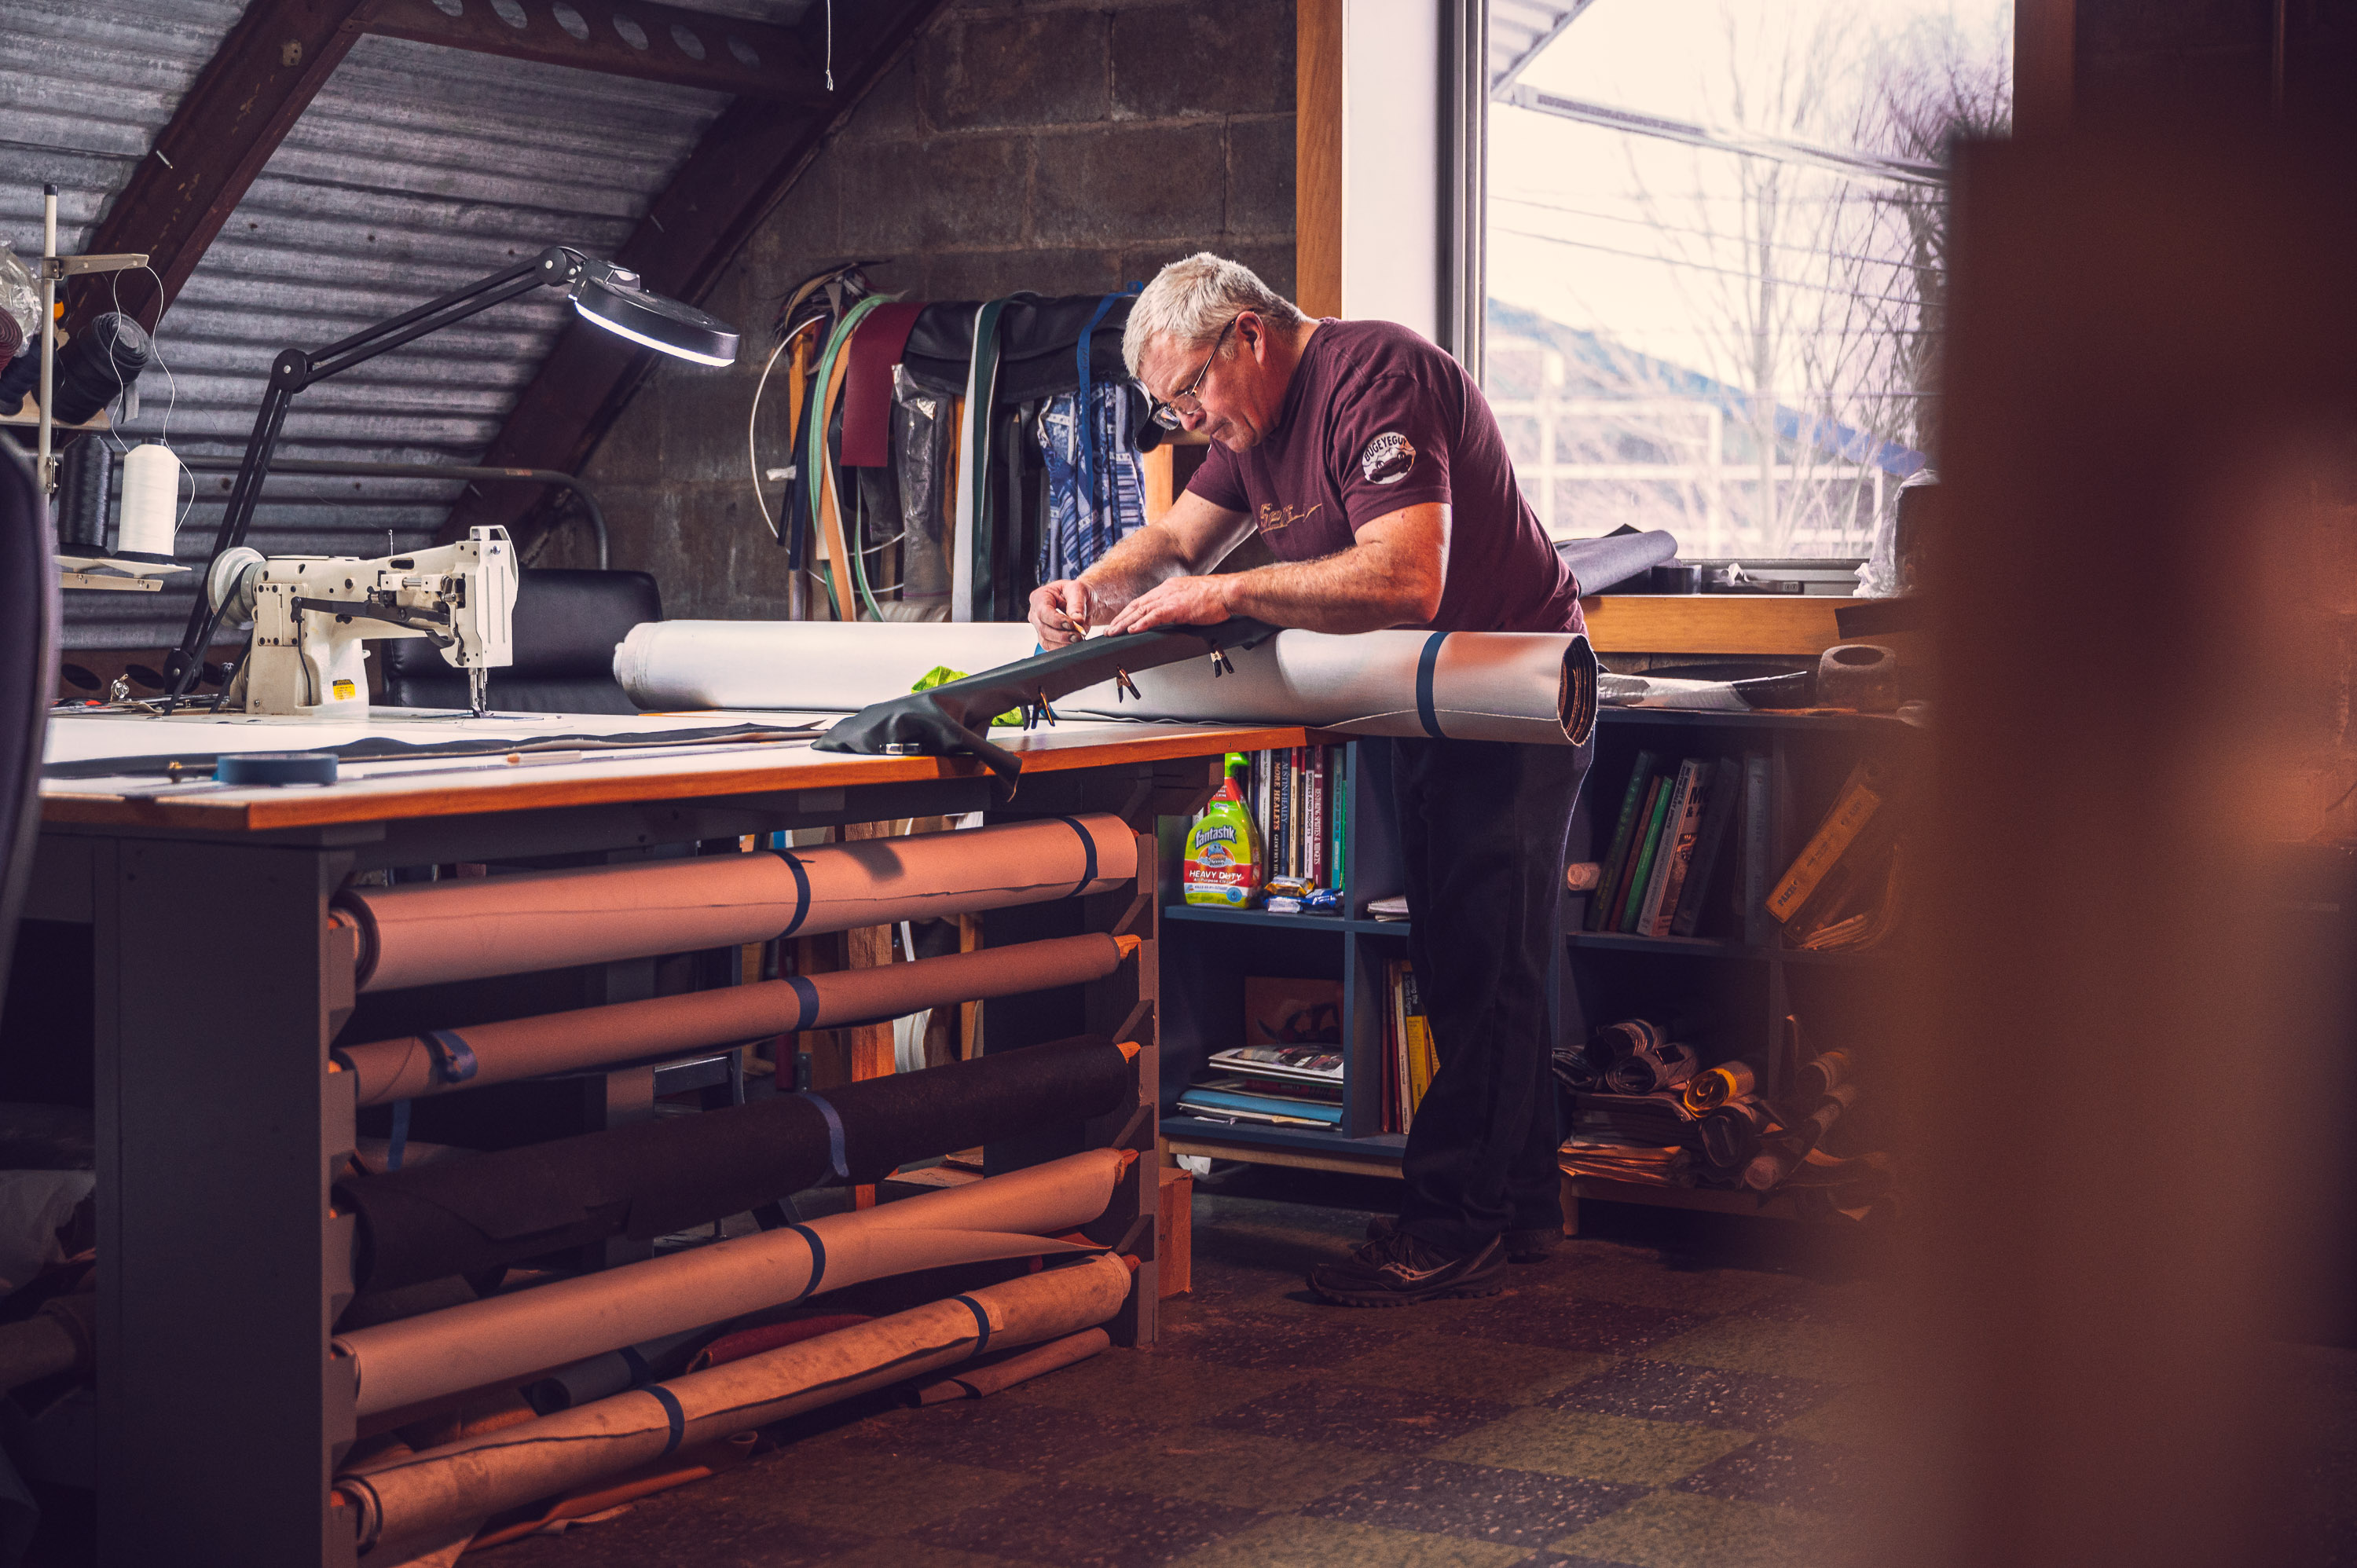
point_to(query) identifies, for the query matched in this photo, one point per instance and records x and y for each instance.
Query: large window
(1717, 240)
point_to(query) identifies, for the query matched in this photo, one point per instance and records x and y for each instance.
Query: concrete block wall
(1066, 147)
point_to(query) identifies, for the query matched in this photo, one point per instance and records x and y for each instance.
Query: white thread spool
(151, 503)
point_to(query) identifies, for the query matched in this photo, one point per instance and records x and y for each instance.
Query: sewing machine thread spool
(151, 503)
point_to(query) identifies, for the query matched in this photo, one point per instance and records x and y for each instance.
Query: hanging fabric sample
(921, 426)
(1096, 494)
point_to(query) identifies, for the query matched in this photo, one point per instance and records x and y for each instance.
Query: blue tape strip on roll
(801, 891)
(981, 1322)
(806, 996)
(1089, 848)
(640, 1371)
(834, 1137)
(399, 1143)
(1425, 713)
(671, 1413)
(454, 1058)
(818, 1258)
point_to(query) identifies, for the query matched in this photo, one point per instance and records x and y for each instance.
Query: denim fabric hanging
(1075, 536)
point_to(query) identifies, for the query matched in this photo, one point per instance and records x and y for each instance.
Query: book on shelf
(1852, 901)
(1391, 909)
(1421, 1060)
(1640, 872)
(1237, 1099)
(1615, 859)
(1676, 846)
(1409, 1060)
(1758, 835)
(1861, 796)
(1719, 814)
(1296, 800)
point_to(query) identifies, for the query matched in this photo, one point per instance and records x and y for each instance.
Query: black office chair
(566, 624)
(29, 679)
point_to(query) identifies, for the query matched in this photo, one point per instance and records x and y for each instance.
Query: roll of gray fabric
(1625, 553)
(462, 1216)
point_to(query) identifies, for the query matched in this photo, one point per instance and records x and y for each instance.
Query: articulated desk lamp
(310, 612)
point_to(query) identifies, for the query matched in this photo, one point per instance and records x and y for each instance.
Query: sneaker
(1534, 1246)
(1399, 1270)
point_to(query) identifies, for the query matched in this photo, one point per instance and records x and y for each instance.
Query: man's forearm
(1343, 593)
(1146, 557)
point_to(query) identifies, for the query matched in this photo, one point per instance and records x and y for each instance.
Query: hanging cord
(830, 46)
(171, 393)
(752, 452)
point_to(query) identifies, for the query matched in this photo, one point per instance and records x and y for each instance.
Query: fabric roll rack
(439, 1061)
(421, 934)
(421, 1500)
(507, 1337)
(468, 1214)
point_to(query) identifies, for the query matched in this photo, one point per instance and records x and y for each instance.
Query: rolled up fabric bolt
(1651, 1067)
(1614, 1041)
(1730, 1134)
(975, 1383)
(1618, 557)
(475, 1055)
(652, 1179)
(1669, 691)
(1773, 1166)
(1714, 1087)
(424, 933)
(413, 1360)
(1823, 1075)
(1581, 876)
(406, 1499)
(752, 1341)
(1537, 688)
(601, 1377)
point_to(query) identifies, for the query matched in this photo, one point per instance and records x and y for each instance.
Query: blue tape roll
(818, 1257)
(1088, 848)
(1425, 713)
(807, 995)
(834, 1155)
(672, 1412)
(981, 1321)
(801, 891)
(454, 1059)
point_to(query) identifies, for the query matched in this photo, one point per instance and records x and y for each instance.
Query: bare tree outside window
(1717, 235)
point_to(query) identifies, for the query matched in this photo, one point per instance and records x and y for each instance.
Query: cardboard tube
(418, 1065)
(974, 1382)
(403, 1500)
(413, 1360)
(421, 934)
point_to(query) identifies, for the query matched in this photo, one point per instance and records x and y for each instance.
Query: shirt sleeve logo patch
(1387, 459)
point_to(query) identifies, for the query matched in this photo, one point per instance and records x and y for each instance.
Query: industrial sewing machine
(311, 613)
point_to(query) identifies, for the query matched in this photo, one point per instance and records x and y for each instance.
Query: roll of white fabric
(404, 1501)
(412, 1359)
(1533, 687)
(423, 933)
(822, 666)
(1466, 685)
(151, 503)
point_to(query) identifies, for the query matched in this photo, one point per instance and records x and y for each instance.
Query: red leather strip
(876, 346)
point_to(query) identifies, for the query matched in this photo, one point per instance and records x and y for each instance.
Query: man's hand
(1059, 612)
(1176, 601)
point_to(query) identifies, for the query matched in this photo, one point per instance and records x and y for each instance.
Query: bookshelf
(1735, 978)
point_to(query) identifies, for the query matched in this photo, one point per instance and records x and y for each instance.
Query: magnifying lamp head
(612, 297)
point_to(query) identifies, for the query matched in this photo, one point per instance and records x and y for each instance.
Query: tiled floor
(1611, 1408)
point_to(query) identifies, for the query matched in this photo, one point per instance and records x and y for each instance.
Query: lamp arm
(293, 369)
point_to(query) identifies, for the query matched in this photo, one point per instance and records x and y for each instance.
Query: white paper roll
(151, 503)
(825, 665)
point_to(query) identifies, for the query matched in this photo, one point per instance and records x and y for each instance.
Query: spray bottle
(1223, 849)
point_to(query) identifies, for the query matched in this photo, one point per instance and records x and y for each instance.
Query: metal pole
(46, 463)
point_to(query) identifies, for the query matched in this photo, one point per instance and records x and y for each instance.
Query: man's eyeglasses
(1174, 414)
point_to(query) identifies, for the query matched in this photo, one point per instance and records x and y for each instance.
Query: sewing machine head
(311, 613)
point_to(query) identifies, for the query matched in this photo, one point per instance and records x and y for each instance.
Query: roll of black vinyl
(1603, 564)
(459, 1216)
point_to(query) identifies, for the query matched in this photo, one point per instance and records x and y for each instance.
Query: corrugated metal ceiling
(414, 171)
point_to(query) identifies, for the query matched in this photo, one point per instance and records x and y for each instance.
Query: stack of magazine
(1282, 1086)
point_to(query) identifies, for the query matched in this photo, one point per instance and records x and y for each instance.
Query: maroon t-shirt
(1377, 419)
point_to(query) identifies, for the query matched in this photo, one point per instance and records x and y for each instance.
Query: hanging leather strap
(970, 557)
(876, 347)
(826, 490)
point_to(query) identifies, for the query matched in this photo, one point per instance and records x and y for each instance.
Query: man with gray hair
(1370, 466)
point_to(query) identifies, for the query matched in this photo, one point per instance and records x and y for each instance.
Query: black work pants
(1482, 832)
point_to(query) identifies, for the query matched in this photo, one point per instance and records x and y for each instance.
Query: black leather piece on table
(29, 678)
(461, 1215)
(567, 623)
